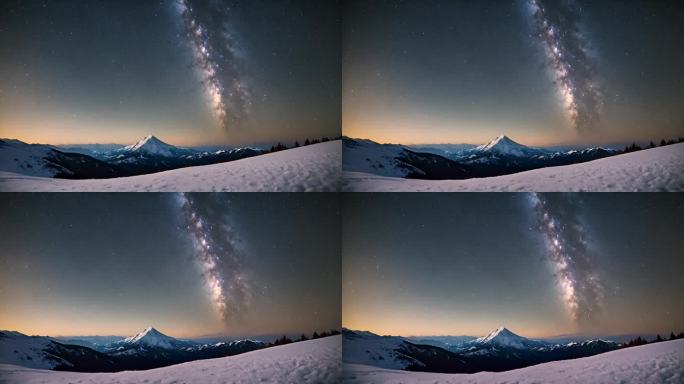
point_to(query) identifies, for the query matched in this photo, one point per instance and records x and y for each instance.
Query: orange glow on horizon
(415, 329)
(28, 327)
(60, 136)
(414, 137)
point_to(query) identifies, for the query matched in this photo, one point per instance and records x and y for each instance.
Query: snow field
(312, 361)
(651, 170)
(314, 168)
(659, 363)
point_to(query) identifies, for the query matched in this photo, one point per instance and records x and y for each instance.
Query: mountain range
(148, 349)
(500, 156)
(149, 155)
(501, 350)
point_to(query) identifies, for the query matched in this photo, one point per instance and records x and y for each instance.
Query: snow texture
(312, 361)
(651, 170)
(313, 168)
(28, 351)
(378, 159)
(654, 363)
(26, 159)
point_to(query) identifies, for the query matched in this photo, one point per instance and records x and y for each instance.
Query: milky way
(557, 25)
(217, 252)
(558, 220)
(218, 57)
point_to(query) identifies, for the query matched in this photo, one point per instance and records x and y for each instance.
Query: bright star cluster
(569, 254)
(217, 253)
(218, 57)
(567, 54)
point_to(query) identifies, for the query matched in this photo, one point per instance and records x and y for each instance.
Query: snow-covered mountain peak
(505, 338)
(504, 145)
(152, 337)
(152, 145)
(501, 332)
(149, 332)
(503, 139)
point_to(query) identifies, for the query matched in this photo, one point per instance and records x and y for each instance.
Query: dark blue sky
(114, 71)
(83, 264)
(455, 264)
(441, 71)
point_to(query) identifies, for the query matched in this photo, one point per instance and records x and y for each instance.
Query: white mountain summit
(504, 338)
(152, 338)
(153, 146)
(504, 145)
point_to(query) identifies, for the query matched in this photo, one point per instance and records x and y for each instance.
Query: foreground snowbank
(653, 363)
(313, 361)
(657, 169)
(314, 168)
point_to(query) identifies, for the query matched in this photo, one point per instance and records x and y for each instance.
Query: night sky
(579, 72)
(223, 72)
(465, 264)
(85, 264)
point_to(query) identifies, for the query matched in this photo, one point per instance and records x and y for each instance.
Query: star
(218, 59)
(572, 65)
(216, 252)
(580, 286)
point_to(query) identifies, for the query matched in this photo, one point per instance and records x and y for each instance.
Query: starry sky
(465, 264)
(580, 72)
(89, 264)
(74, 72)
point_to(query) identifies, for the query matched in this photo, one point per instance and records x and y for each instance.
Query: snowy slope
(46, 161)
(394, 160)
(653, 363)
(656, 169)
(29, 351)
(381, 351)
(29, 159)
(378, 159)
(46, 353)
(313, 361)
(310, 168)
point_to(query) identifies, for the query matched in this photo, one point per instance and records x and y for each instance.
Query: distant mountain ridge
(500, 156)
(47, 161)
(153, 146)
(148, 155)
(46, 353)
(398, 161)
(500, 350)
(148, 349)
(150, 338)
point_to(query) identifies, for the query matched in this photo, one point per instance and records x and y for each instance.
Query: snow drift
(649, 170)
(653, 363)
(313, 361)
(313, 168)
